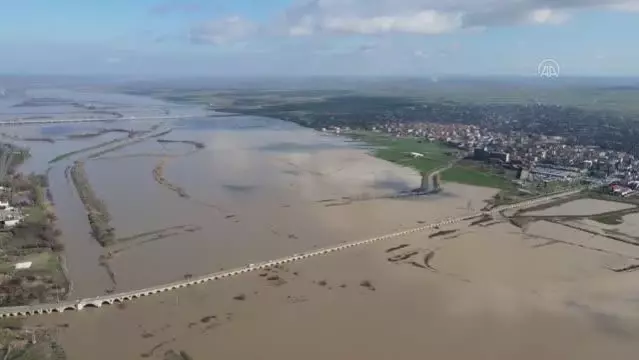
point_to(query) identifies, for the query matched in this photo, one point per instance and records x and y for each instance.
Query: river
(262, 188)
(258, 189)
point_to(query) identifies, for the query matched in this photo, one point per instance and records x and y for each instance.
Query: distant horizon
(449, 76)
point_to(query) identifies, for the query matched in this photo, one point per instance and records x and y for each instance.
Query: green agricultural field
(397, 150)
(436, 155)
(476, 176)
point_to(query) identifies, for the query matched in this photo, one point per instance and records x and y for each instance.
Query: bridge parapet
(98, 301)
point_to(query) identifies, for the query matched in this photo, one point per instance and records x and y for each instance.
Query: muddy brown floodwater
(489, 293)
(262, 188)
(249, 189)
(256, 191)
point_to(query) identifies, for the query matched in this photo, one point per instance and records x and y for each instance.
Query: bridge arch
(119, 298)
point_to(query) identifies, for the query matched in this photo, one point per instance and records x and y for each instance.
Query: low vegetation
(97, 212)
(135, 138)
(198, 145)
(158, 176)
(100, 132)
(76, 152)
(398, 150)
(609, 219)
(35, 240)
(367, 284)
(130, 134)
(442, 233)
(434, 155)
(18, 342)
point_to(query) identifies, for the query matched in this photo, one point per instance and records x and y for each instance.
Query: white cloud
(428, 17)
(547, 16)
(224, 31)
(382, 17)
(630, 6)
(424, 22)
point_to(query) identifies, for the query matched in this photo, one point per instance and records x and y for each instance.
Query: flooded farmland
(209, 193)
(192, 196)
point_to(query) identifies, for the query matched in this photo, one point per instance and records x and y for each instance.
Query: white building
(23, 265)
(9, 223)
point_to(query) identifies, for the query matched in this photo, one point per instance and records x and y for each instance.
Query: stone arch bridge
(99, 301)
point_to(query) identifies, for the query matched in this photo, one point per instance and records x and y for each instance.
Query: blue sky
(318, 37)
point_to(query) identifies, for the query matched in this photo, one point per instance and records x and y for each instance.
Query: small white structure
(9, 223)
(416, 155)
(23, 265)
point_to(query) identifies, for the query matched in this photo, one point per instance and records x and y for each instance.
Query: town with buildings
(534, 157)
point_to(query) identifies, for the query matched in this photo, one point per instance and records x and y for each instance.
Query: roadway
(130, 295)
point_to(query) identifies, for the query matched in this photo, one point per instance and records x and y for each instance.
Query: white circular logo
(548, 68)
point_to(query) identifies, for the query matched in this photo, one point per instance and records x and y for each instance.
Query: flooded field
(249, 195)
(215, 193)
(483, 292)
(201, 194)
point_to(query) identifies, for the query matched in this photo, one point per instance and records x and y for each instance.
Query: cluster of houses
(624, 189)
(9, 216)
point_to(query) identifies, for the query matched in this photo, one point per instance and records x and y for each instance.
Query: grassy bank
(435, 155)
(80, 151)
(97, 212)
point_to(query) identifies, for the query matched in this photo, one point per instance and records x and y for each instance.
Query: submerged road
(98, 301)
